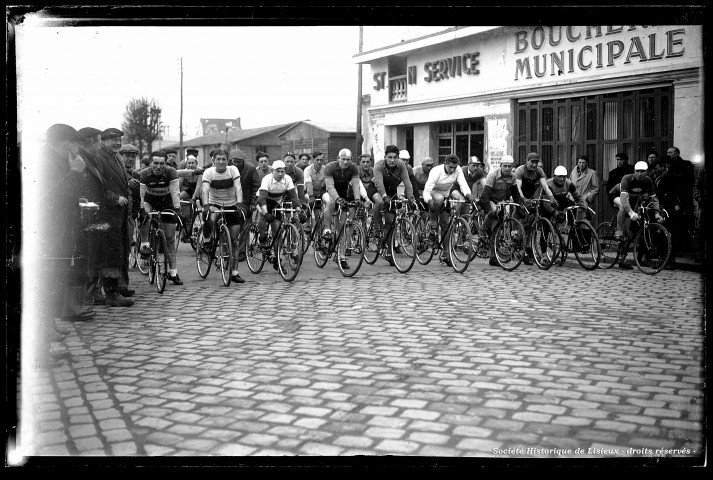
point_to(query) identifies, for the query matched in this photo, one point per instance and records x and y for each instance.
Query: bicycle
(135, 258)
(157, 258)
(353, 244)
(508, 238)
(541, 235)
(580, 238)
(475, 219)
(219, 241)
(395, 244)
(190, 230)
(460, 241)
(652, 242)
(287, 242)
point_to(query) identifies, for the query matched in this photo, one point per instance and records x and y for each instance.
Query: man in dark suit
(117, 208)
(250, 183)
(622, 168)
(684, 178)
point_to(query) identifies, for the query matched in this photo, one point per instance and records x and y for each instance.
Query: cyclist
(633, 188)
(263, 164)
(366, 179)
(314, 183)
(420, 174)
(159, 191)
(439, 187)
(187, 186)
(338, 177)
(388, 175)
(499, 186)
(221, 186)
(563, 189)
(298, 177)
(271, 194)
(528, 179)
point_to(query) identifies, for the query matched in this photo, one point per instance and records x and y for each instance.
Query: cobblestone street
(557, 364)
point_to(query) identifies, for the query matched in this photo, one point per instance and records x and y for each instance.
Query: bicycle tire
(254, 255)
(586, 245)
(357, 245)
(608, 244)
(371, 249)
(544, 242)
(654, 243)
(152, 256)
(509, 244)
(460, 245)
(305, 239)
(196, 229)
(289, 251)
(319, 246)
(225, 251)
(402, 245)
(424, 251)
(161, 265)
(204, 255)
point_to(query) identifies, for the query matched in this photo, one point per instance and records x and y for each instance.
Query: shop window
(533, 126)
(561, 124)
(628, 108)
(647, 117)
(664, 116)
(547, 124)
(576, 119)
(591, 121)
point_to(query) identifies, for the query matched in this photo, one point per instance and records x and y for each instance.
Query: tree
(142, 123)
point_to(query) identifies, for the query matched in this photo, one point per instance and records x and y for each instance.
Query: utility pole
(180, 125)
(358, 124)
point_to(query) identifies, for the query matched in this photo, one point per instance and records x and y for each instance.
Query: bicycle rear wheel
(319, 246)
(225, 252)
(161, 264)
(586, 245)
(354, 241)
(544, 242)
(460, 245)
(652, 248)
(253, 252)
(289, 251)
(424, 252)
(371, 249)
(509, 244)
(403, 245)
(608, 244)
(196, 227)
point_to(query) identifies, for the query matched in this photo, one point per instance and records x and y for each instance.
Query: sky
(85, 76)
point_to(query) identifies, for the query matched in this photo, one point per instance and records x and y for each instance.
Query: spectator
(61, 228)
(250, 183)
(263, 164)
(145, 162)
(172, 155)
(128, 154)
(684, 177)
(474, 175)
(116, 212)
(586, 180)
(304, 160)
(622, 168)
(669, 199)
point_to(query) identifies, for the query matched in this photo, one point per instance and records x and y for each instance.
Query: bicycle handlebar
(573, 207)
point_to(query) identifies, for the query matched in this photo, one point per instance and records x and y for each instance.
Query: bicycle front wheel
(424, 252)
(204, 255)
(253, 252)
(586, 245)
(652, 248)
(608, 245)
(354, 243)
(460, 245)
(289, 251)
(196, 227)
(225, 252)
(509, 244)
(403, 245)
(161, 264)
(320, 247)
(371, 249)
(544, 242)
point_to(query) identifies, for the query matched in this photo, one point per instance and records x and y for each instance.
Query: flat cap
(238, 154)
(170, 150)
(532, 156)
(112, 132)
(192, 151)
(475, 160)
(60, 132)
(89, 132)
(128, 148)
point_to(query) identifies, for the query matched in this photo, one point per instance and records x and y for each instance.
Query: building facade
(310, 137)
(559, 91)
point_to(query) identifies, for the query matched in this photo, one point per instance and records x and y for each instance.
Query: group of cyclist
(254, 194)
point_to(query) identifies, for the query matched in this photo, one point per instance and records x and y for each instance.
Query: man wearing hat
(190, 151)
(474, 175)
(60, 228)
(116, 212)
(499, 186)
(172, 155)
(420, 174)
(129, 153)
(405, 157)
(250, 183)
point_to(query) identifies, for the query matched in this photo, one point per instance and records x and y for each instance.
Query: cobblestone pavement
(558, 364)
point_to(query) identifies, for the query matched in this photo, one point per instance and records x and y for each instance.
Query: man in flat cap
(250, 183)
(116, 213)
(172, 155)
(51, 274)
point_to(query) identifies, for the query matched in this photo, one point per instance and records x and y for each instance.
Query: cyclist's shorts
(370, 191)
(271, 205)
(158, 203)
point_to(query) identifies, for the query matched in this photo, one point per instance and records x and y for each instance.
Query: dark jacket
(617, 174)
(117, 185)
(249, 182)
